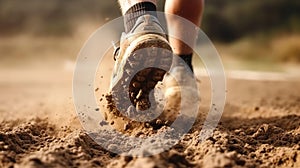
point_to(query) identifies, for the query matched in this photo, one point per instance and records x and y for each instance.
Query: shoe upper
(146, 24)
(180, 75)
(181, 93)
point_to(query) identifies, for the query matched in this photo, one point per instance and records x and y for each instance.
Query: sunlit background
(249, 34)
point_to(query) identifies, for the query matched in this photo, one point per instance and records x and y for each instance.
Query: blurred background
(34, 32)
(249, 34)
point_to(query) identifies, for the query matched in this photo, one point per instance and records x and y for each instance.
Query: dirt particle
(102, 123)
(36, 161)
(126, 126)
(158, 122)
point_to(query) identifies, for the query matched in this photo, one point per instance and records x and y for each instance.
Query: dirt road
(259, 128)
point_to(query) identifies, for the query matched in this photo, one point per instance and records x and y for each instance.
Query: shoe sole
(148, 58)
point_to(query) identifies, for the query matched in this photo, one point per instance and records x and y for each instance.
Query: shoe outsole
(145, 62)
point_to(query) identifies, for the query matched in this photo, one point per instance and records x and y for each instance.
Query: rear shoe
(180, 91)
(143, 58)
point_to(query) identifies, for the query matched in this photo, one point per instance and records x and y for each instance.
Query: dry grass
(281, 49)
(286, 49)
(258, 52)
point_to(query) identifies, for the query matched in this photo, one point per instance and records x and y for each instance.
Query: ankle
(187, 59)
(137, 10)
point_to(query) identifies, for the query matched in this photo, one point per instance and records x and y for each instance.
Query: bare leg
(189, 9)
(126, 4)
